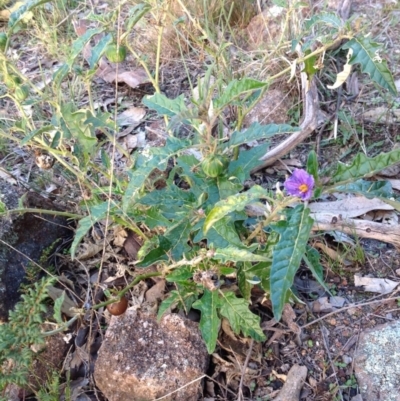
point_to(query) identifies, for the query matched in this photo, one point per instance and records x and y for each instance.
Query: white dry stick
(293, 385)
(309, 124)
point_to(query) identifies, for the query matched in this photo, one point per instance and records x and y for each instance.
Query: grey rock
(376, 363)
(337, 302)
(141, 359)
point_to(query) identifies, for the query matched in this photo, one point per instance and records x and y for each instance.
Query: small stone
(347, 359)
(337, 302)
(398, 272)
(332, 322)
(322, 305)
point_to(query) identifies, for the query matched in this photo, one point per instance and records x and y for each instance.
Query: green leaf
(312, 165)
(366, 53)
(181, 274)
(155, 219)
(363, 166)
(287, 254)
(96, 213)
(330, 19)
(209, 321)
(168, 303)
(309, 65)
(57, 308)
(135, 15)
(370, 189)
(236, 89)
(241, 319)
(233, 203)
(17, 15)
(60, 74)
(256, 131)
(261, 271)
(237, 255)
(178, 236)
(99, 49)
(243, 280)
(146, 163)
(44, 129)
(80, 43)
(157, 254)
(247, 160)
(311, 257)
(164, 106)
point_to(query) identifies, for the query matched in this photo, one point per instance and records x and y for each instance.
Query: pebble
(347, 359)
(337, 302)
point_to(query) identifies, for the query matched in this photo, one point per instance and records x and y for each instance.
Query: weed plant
(197, 228)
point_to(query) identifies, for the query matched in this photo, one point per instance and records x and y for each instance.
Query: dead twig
(308, 125)
(377, 301)
(246, 362)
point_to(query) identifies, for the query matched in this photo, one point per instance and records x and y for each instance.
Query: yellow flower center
(303, 188)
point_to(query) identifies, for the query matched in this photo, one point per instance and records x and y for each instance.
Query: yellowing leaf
(342, 76)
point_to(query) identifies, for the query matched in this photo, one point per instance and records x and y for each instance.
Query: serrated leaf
(146, 163)
(60, 74)
(241, 319)
(80, 43)
(57, 308)
(96, 213)
(42, 130)
(178, 236)
(233, 203)
(287, 254)
(363, 166)
(236, 89)
(164, 106)
(17, 15)
(168, 303)
(209, 321)
(135, 15)
(154, 218)
(256, 131)
(261, 271)
(99, 49)
(181, 274)
(330, 19)
(311, 257)
(157, 254)
(247, 160)
(366, 53)
(370, 189)
(237, 255)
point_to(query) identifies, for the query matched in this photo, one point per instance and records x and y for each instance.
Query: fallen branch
(360, 228)
(309, 124)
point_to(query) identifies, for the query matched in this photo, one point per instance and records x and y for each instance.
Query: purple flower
(300, 184)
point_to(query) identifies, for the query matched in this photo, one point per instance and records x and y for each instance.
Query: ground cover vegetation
(185, 197)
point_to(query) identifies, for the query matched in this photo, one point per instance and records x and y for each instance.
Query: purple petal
(300, 184)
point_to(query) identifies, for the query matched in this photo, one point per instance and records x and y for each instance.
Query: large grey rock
(23, 237)
(377, 364)
(142, 360)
